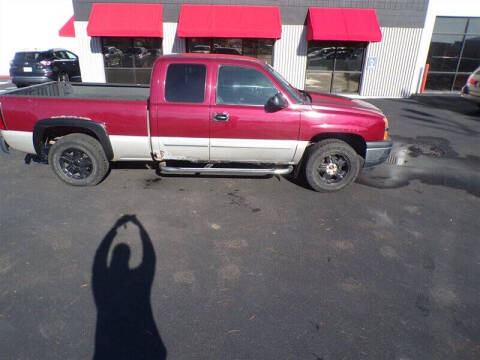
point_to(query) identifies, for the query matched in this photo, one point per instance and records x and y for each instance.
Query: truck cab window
(241, 85)
(185, 83)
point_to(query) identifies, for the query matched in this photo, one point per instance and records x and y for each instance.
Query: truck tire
(79, 160)
(331, 165)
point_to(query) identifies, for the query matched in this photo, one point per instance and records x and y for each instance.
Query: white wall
(26, 24)
(290, 54)
(171, 44)
(395, 56)
(90, 54)
(463, 8)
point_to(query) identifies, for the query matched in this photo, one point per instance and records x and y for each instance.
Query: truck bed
(85, 91)
(122, 110)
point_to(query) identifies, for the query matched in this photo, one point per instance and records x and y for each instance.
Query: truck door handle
(220, 117)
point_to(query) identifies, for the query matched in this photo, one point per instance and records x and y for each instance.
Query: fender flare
(41, 126)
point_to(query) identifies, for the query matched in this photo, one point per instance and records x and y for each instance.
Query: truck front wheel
(79, 160)
(331, 165)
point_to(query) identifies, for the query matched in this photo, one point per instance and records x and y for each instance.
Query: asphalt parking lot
(252, 268)
(6, 85)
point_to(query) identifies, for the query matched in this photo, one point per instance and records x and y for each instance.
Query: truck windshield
(298, 95)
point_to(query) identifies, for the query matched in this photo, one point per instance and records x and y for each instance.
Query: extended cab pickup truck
(203, 114)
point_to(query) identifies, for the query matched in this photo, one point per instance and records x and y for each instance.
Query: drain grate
(392, 159)
(398, 157)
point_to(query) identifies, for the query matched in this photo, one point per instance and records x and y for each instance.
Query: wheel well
(55, 132)
(355, 141)
(48, 130)
(58, 131)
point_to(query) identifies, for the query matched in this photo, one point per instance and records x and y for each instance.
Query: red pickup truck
(202, 114)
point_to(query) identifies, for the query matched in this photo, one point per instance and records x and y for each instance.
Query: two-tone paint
(188, 131)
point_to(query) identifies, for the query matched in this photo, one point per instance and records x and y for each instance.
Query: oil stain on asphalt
(430, 160)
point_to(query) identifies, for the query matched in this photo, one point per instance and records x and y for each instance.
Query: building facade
(338, 63)
(365, 48)
(450, 45)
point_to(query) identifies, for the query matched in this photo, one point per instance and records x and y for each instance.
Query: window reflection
(450, 25)
(471, 54)
(454, 52)
(185, 83)
(346, 82)
(258, 48)
(130, 60)
(334, 66)
(444, 52)
(440, 81)
(473, 26)
(243, 86)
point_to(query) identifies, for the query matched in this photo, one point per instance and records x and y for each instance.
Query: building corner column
(171, 44)
(90, 54)
(290, 54)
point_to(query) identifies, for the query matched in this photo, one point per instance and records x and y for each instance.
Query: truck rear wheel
(79, 160)
(331, 165)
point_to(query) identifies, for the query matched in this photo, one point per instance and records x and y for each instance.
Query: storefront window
(258, 48)
(454, 52)
(130, 60)
(334, 67)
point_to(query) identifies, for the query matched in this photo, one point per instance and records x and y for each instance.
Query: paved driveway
(243, 268)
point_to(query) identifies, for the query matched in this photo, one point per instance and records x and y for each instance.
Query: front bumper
(467, 94)
(377, 152)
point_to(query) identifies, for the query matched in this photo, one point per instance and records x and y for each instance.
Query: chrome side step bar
(225, 171)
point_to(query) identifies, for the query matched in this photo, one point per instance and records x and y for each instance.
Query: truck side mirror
(276, 102)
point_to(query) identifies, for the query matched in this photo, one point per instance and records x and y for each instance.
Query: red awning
(230, 21)
(68, 30)
(125, 20)
(341, 24)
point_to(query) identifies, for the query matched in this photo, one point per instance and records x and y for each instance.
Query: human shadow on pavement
(125, 327)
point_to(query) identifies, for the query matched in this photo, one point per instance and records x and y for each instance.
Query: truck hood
(340, 103)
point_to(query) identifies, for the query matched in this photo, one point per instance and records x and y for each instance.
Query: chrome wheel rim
(333, 168)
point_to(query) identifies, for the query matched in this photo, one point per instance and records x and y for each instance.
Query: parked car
(202, 114)
(471, 90)
(36, 66)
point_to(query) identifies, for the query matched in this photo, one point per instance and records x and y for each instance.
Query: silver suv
(471, 90)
